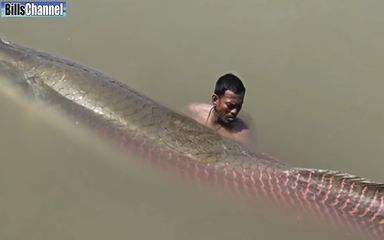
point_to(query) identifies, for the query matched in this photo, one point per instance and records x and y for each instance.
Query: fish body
(142, 125)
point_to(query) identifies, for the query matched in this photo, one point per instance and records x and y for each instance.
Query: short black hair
(230, 82)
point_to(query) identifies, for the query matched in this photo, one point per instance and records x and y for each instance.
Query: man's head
(228, 97)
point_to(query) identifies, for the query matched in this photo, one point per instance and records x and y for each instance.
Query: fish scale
(162, 136)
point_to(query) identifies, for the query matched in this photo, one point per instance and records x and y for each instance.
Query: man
(221, 115)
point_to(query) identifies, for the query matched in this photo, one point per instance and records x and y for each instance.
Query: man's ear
(215, 99)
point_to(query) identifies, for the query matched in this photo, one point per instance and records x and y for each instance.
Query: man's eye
(231, 106)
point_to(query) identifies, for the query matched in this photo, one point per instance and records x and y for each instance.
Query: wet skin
(227, 107)
(222, 116)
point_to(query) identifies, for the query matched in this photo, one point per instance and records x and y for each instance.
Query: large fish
(142, 125)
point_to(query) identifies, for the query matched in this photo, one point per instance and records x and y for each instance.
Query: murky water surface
(313, 72)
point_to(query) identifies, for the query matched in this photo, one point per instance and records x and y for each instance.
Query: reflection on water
(313, 75)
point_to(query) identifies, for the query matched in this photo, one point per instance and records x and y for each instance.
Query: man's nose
(234, 111)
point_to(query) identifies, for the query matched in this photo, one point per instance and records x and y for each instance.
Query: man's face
(228, 106)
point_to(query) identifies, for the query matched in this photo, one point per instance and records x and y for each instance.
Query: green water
(313, 74)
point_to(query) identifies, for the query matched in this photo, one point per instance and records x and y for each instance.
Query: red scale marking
(271, 188)
(341, 188)
(286, 194)
(234, 175)
(245, 181)
(287, 199)
(295, 192)
(290, 197)
(299, 194)
(262, 183)
(270, 184)
(368, 209)
(293, 196)
(225, 169)
(378, 212)
(225, 180)
(296, 183)
(329, 188)
(278, 185)
(348, 200)
(348, 197)
(305, 195)
(309, 181)
(234, 181)
(357, 205)
(274, 182)
(286, 174)
(244, 177)
(206, 172)
(345, 204)
(254, 188)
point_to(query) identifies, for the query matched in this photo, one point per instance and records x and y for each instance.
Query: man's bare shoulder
(199, 107)
(199, 111)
